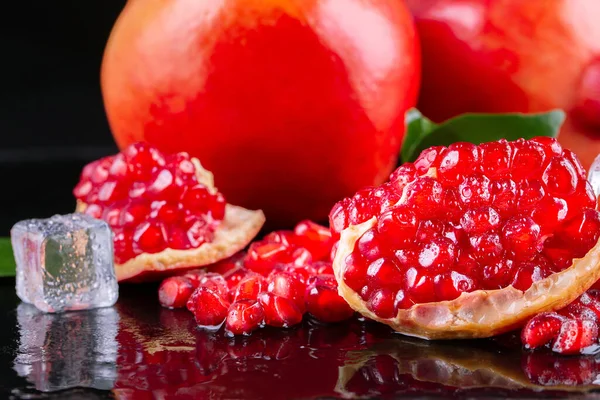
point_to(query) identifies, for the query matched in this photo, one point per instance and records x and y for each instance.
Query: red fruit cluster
(468, 217)
(150, 200)
(571, 330)
(282, 277)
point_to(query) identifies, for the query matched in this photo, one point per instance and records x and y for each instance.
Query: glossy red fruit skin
(175, 291)
(273, 76)
(492, 56)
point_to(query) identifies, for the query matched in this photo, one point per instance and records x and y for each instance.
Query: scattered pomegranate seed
(175, 291)
(568, 331)
(274, 284)
(323, 301)
(279, 311)
(244, 316)
(209, 307)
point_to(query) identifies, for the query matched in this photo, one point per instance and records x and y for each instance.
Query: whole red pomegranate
(293, 104)
(514, 56)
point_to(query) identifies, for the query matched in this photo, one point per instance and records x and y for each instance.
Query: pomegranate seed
(550, 213)
(368, 245)
(419, 286)
(315, 238)
(279, 311)
(575, 336)
(381, 302)
(450, 285)
(480, 220)
(210, 280)
(582, 231)
(424, 195)
(402, 175)
(504, 196)
(142, 160)
(526, 275)
(150, 237)
(209, 308)
(338, 217)
(427, 158)
(384, 272)
(521, 238)
(528, 159)
(486, 247)
(458, 161)
(244, 316)
(497, 275)
(474, 191)
(175, 291)
(560, 177)
(249, 288)
(437, 255)
(397, 226)
(355, 273)
(531, 193)
(323, 301)
(322, 268)
(286, 285)
(496, 158)
(541, 329)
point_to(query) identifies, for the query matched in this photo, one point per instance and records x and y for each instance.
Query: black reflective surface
(137, 350)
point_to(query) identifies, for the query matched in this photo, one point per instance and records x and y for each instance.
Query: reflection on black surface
(142, 351)
(62, 351)
(410, 366)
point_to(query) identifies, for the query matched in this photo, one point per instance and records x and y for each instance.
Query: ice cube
(594, 175)
(65, 263)
(63, 351)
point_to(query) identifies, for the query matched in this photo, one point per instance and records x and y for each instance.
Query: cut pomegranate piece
(474, 244)
(164, 210)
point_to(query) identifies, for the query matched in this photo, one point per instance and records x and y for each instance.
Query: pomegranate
(262, 287)
(274, 86)
(164, 210)
(470, 241)
(513, 56)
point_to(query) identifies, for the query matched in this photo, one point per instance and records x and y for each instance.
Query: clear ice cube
(63, 351)
(65, 263)
(594, 175)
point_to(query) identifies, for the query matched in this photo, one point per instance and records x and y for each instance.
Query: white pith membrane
(460, 367)
(477, 314)
(233, 233)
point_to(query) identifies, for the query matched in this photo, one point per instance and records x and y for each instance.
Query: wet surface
(137, 350)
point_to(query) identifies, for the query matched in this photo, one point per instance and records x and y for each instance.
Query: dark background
(52, 119)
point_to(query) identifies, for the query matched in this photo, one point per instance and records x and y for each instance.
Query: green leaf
(422, 133)
(7, 261)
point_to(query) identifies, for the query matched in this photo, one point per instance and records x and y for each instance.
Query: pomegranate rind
(477, 314)
(457, 366)
(234, 232)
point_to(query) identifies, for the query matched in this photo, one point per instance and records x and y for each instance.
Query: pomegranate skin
(293, 104)
(513, 56)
